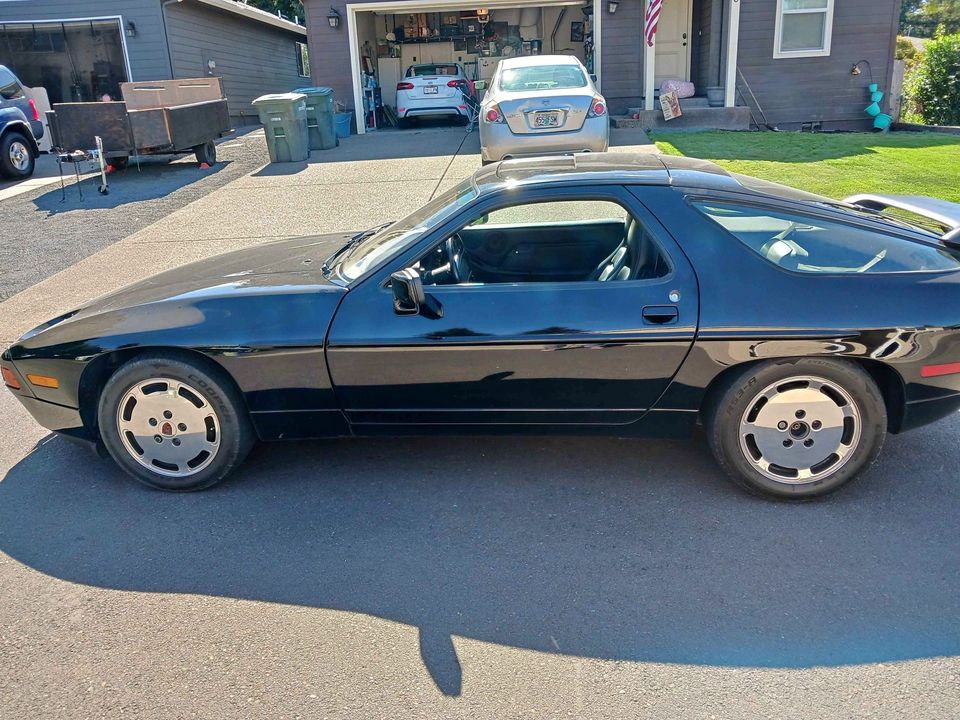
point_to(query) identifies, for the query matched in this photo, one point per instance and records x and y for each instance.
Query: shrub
(933, 87)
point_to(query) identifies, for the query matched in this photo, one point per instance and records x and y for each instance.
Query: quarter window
(812, 245)
(9, 87)
(803, 28)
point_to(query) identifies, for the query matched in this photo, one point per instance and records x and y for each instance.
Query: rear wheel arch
(888, 380)
(95, 376)
(21, 129)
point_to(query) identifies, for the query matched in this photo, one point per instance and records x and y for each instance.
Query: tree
(289, 9)
(921, 18)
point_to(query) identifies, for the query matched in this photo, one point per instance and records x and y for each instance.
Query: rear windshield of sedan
(422, 70)
(542, 77)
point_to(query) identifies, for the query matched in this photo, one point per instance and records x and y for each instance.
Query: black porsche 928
(605, 294)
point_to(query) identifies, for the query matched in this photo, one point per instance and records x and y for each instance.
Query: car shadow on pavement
(155, 178)
(600, 548)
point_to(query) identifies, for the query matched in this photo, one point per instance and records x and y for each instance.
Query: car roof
(630, 168)
(530, 60)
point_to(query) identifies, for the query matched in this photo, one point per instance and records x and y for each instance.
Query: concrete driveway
(458, 577)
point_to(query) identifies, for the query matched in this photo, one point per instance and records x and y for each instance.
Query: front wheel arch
(96, 374)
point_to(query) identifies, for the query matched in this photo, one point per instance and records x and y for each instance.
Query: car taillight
(404, 86)
(453, 83)
(597, 108)
(10, 380)
(493, 115)
(33, 107)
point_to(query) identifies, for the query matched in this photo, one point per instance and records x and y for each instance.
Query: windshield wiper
(327, 267)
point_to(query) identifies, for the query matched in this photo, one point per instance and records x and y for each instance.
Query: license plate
(429, 89)
(546, 119)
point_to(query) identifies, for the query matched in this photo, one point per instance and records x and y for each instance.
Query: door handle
(661, 314)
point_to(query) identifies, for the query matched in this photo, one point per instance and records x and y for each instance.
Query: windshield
(370, 251)
(542, 77)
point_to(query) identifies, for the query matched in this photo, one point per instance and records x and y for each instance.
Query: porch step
(722, 118)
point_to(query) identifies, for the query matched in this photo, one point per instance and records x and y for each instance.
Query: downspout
(166, 35)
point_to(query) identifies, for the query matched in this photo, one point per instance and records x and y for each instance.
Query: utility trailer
(154, 118)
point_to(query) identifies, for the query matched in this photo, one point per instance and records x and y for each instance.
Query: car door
(581, 353)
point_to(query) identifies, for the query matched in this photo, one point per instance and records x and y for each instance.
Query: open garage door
(392, 41)
(74, 60)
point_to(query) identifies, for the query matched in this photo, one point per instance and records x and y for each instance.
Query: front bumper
(498, 141)
(60, 418)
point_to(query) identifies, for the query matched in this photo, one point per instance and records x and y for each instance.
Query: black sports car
(600, 294)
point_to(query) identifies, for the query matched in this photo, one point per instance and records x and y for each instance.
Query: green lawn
(835, 165)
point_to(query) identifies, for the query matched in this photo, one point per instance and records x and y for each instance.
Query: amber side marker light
(10, 380)
(938, 370)
(44, 381)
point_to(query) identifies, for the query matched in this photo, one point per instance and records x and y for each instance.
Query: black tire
(231, 427)
(403, 123)
(16, 145)
(827, 387)
(206, 153)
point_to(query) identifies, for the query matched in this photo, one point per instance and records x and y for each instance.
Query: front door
(550, 309)
(673, 42)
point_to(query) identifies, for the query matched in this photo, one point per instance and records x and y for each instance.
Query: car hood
(281, 267)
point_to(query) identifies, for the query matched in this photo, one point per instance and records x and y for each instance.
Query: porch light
(333, 17)
(612, 6)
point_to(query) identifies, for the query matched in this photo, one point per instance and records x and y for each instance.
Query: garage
(75, 60)
(388, 38)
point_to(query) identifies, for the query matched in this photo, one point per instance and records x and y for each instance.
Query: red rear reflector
(938, 370)
(404, 86)
(33, 106)
(44, 381)
(10, 380)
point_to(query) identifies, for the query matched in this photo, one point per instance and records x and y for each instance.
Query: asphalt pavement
(454, 577)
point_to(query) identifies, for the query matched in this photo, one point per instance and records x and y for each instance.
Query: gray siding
(147, 52)
(820, 89)
(621, 60)
(329, 49)
(252, 58)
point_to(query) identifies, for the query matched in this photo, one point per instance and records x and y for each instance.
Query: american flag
(651, 20)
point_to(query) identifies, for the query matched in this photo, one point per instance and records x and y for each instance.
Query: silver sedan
(542, 105)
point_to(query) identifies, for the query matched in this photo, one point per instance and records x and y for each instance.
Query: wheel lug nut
(816, 425)
(801, 414)
(153, 422)
(176, 442)
(788, 443)
(158, 438)
(167, 414)
(782, 425)
(181, 427)
(808, 443)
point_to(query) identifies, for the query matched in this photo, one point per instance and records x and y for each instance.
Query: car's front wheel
(797, 428)
(173, 424)
(16, 156)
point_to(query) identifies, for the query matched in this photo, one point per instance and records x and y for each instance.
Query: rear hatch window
(423, 70)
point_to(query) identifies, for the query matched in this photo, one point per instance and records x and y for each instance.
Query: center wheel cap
(166, 429)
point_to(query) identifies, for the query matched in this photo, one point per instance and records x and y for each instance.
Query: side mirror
(408, 295)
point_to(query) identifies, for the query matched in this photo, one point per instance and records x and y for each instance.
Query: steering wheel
(456, 256)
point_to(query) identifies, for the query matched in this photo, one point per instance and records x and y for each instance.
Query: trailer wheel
(206, 153)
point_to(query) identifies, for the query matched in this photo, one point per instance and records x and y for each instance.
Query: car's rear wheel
(797, 428)
(16, 156)
(173, 424)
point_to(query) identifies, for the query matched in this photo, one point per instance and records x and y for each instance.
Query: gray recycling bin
(284, 118)
(320, 128)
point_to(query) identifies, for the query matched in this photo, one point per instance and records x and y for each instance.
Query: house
(805, 61)
(80, 50)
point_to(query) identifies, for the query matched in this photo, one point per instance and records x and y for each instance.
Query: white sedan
(432, 89)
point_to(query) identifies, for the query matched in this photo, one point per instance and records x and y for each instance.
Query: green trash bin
(284, 118)
(323, 135)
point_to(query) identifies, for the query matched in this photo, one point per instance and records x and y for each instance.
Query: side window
(9, 87)
(812, 245)
(554, 241)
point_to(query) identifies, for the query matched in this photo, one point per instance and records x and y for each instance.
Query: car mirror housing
(409, 297)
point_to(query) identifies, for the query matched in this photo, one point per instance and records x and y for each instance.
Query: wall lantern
(333, 17)
(483, 16)
(612, 6)
(131, 29)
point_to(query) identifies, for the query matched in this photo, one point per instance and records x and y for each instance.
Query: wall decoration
(576, 31)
